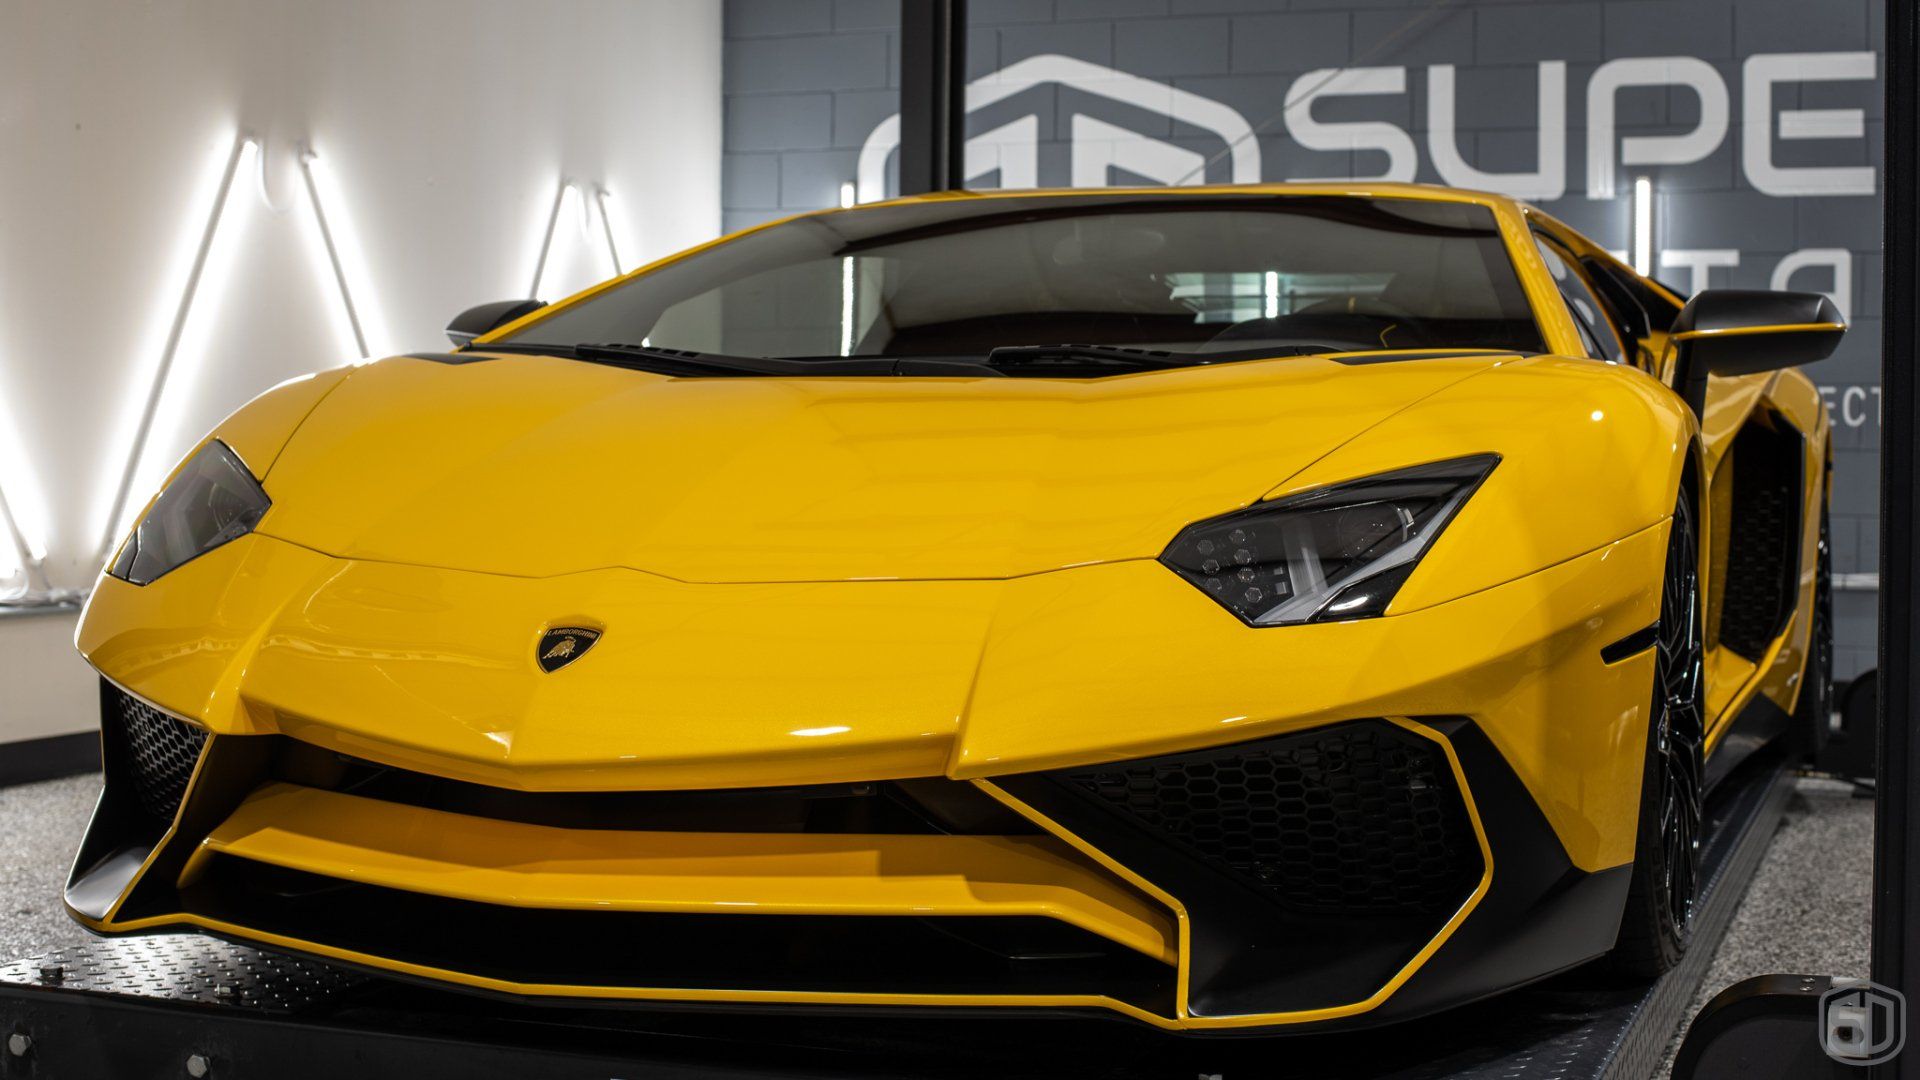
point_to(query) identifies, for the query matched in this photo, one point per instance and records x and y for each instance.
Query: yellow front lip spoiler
(454, 856)
(234, 932)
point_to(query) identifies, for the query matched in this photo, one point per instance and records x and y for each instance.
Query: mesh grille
(1757, 564)
(158, 750)
(1762, 572)
(1360, 817)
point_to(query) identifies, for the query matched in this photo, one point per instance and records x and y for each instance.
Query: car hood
(538, 466)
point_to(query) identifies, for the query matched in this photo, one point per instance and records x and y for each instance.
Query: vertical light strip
(599, 200)
(1272, 290)
(600, 197)
(26, 536)
(546, 241)
(846, 306)
(23, 506)
(849, 194)
(243, 150)
(307, 159)
(1642, 225)
(13, 555)
(14, 580)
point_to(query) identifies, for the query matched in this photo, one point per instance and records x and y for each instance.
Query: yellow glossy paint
(823, 580)
(1745, 331)
(742, 685)
(1731, 403)
(564, 467)
(503, 862)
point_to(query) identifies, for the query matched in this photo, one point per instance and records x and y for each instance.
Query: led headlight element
(1338, 552)
(214, 499)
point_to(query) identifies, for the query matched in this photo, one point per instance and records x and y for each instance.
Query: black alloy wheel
(1658, 921)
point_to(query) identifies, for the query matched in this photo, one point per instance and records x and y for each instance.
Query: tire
(1813, 713)
(1657, 923)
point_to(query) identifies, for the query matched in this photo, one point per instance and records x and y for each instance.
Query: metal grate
(159, 751)
(1359, 817)
(1762, 574)
(187, 968)
(1752, 611)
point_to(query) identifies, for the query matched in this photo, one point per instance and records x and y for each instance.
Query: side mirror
(481, 318)
(1746, 331)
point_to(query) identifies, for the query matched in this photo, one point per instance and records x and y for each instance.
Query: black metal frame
(1896, 931)
(933, 95)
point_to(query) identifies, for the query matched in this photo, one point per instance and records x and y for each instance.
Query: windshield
(1187, 274)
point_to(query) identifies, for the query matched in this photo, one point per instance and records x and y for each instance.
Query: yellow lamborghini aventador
(1252, 607)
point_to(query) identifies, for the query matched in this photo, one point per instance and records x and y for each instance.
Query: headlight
(214, 499)
(1337, 552)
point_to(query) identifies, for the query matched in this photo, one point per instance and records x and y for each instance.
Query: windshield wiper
(1016, 360)
(688, 363)
(1019, 356)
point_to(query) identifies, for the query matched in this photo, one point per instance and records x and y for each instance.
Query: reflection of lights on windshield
(1273, 294)
(848, 194)
(846, 306)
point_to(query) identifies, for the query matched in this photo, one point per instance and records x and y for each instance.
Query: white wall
(446, 126)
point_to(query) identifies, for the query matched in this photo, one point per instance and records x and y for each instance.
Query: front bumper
(1407, 871)
(1072, 905)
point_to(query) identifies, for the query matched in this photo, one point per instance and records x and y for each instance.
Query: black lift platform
(179, 1005)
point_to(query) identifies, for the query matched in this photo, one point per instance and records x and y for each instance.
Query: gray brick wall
(807, 81)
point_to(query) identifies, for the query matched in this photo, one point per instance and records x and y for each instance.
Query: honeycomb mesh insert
(159, 752)
(1759, 566)
(1359, 817)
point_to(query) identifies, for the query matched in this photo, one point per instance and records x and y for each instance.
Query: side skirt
(1760, 722)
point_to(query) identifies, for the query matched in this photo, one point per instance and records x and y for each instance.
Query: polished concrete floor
(1806, 913)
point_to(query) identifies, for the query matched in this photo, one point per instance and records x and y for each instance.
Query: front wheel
(1658, 920)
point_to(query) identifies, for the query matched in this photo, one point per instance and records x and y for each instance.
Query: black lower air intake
(157, 752)
(1379, 803)
(1359, 817)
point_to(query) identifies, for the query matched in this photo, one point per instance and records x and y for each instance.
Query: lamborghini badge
(562, 645)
